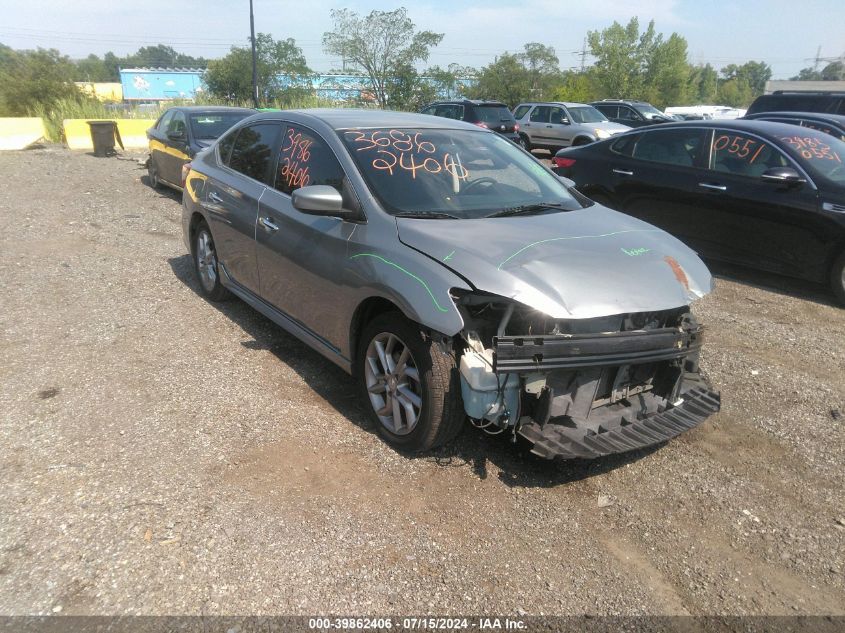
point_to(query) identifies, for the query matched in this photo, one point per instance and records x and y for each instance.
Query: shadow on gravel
(472, 449)
(164, 191)
(770, 282)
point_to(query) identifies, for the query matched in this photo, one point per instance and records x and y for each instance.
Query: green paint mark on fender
(633, 252)
(407, 272)
(448, 257)
(574, 237)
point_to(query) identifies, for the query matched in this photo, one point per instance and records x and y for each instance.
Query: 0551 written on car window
(305, 159)
(743, 155)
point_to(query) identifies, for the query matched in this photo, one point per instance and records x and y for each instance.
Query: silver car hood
(578, 264)
(610, 126)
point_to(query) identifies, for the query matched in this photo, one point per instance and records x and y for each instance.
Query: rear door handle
(707, 185)
(623, 172)
(214, 197)
(269, 225)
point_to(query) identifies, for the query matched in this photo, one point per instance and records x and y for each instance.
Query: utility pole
(254, 67)
(818, 59)
(583, 54)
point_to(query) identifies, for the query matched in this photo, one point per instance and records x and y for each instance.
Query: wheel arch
(582, 139)
(196, 218)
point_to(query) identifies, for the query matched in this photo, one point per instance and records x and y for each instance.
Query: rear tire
(152, 174)
(403, 374)
(206, 266)
(837, 278)
(526, 144)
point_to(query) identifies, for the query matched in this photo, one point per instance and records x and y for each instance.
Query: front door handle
(707, 185)
(623, 172)
(548, 126)
(269, 225)
(214, 197)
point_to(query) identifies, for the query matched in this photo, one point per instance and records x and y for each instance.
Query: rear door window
(671, 147)
(540, 114)
(743, 155)
(252, 152)
(165, 120)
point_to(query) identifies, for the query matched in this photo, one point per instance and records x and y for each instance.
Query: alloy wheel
(393, 383)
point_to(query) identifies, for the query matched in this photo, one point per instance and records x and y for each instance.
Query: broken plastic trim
(519, 354)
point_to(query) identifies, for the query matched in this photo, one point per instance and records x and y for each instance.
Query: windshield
(818, 153)
(459, 173)
(586, 114)
(650, 112)
(211, 126)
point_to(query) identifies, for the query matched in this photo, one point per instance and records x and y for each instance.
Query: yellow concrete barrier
(21, 132)
(133, 132)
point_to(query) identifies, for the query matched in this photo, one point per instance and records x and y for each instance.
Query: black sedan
(757, 193)
(180, 133)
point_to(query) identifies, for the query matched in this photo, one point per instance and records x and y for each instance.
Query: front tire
(408, 384)
(206, 265)
(837, 278)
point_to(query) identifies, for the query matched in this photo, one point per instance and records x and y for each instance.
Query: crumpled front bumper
(552, 441)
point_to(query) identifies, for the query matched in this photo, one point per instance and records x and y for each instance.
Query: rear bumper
(552, 441)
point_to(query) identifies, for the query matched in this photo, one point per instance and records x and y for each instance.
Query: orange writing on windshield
(812, 148)
(398, 151)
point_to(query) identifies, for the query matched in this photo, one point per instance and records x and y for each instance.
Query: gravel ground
(163, 455)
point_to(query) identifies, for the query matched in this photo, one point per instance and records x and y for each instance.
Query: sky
(784, 34)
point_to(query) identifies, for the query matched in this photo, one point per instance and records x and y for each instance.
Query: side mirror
(564, 120)
(319, 200)
(782, 175)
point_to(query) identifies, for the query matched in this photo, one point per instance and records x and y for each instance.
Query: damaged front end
(581, 388)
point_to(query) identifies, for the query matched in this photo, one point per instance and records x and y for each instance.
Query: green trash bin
(103, 135)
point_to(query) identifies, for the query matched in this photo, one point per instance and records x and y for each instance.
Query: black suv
(833, 124)
(489, 114)
(800, 101)
(630, 113)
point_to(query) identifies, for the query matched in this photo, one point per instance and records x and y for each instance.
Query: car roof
(350, 118)
(568, 104)
(626, 101)
(212, 108)
(821, 116)
(478, 102)
(771, 129)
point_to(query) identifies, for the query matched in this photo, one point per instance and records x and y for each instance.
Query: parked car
(455, 276)
(830, 102)
(758, 193)
(493, 115)
(833, 124)
(555, 125)
(180, 133)
(630, 113)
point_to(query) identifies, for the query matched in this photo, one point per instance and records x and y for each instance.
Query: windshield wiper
(441, 215)
(526, 209)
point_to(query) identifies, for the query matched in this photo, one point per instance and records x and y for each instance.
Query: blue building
(164, 84)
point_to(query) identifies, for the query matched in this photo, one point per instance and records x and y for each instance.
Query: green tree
(753, 74)
(703, 84)
(32, 78)
(542, 66)
(666, 80)
(735, 92)
(231, 77)
(622, 57)
(574, 86)
(92, 68)
(506, 80)
(380, 43)
(162, 56)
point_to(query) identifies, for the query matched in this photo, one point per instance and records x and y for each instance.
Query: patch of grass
(54, 113)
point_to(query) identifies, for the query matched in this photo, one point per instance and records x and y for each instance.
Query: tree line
(385, 46)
